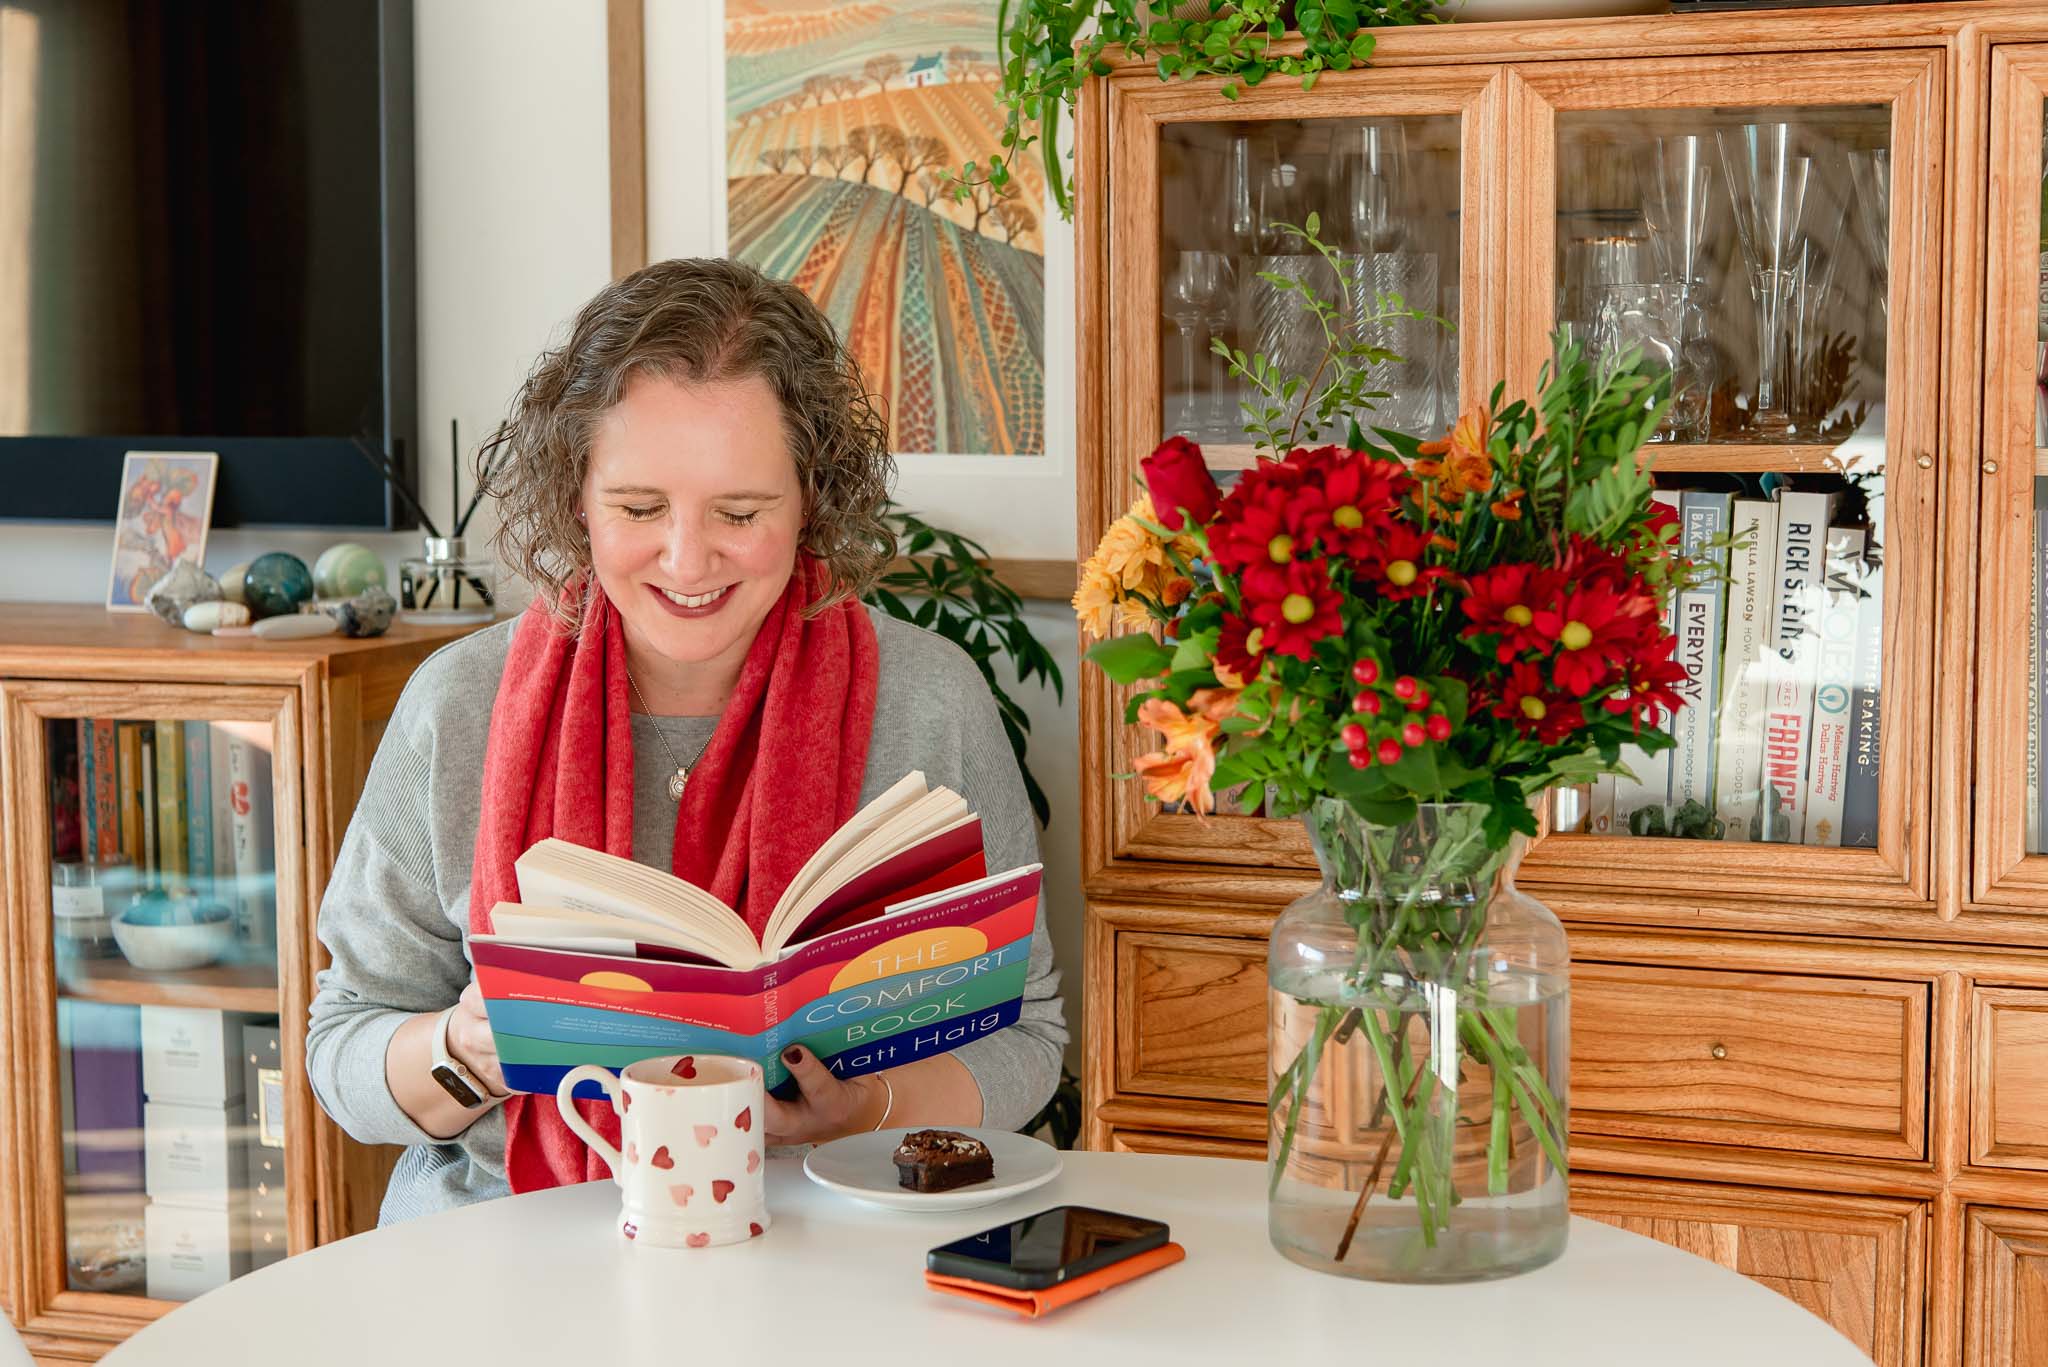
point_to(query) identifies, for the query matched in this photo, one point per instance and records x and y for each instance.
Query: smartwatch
(456, 1080)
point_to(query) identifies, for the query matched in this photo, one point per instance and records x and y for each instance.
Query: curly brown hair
(696, 320)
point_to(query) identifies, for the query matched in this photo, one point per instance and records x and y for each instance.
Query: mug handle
(564, 1102)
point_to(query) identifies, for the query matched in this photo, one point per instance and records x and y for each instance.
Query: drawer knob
(1990, 467)
(1719, 1051)
(1925, 462)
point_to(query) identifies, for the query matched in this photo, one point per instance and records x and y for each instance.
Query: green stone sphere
(276, 584)
(345, 570)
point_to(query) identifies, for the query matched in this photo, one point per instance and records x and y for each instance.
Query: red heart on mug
(661, 1158)
(705, 1134)
(625, 1101)
(686, 1066)
(632, 1152)
(753, 1160)
(720, 1190)
(744, 1121)
(698, 1241)
(753, 1231)
(681, 1193)
(630, 1229)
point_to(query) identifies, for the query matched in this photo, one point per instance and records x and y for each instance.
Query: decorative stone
(367, 614)
(293, 626)
(185, 585)
(276, 584)
(249, 630)
(231, 582)
(346, 570)
(214, 615)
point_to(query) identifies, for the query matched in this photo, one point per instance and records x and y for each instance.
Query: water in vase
(1451, 1183)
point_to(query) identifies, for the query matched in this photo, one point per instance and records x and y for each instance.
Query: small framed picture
(166, 504)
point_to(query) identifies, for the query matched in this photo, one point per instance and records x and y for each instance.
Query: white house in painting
(928, 71)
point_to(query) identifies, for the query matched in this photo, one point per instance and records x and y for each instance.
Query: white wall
(514, 235)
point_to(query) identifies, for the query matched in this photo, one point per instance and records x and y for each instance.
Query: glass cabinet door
(160, 851)
(2012, 595)
(1775, 261)
(1390, 170)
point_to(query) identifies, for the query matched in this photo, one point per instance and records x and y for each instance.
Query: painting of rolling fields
(841, 120)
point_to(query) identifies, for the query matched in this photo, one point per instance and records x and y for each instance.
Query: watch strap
(464, 1086)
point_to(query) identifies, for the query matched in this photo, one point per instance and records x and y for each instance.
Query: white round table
(544, 1278)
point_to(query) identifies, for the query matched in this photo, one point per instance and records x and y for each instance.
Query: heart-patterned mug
(689, 1170)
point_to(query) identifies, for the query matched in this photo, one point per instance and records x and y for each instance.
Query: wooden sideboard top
(38, 638)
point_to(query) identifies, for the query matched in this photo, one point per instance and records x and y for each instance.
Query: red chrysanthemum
(1275, 525)
(1503, 601)
(1240, 650)
(1594, 632)
(1394, 565)
(1294, 605)
(1648, 685)
(1360, 498)
(1537, 709)
(1588, 562)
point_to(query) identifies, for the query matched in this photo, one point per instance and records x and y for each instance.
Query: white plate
(861, 1166)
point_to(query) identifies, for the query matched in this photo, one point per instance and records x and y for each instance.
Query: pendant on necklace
(675, 784)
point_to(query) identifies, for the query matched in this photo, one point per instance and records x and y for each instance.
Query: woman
(694, 483)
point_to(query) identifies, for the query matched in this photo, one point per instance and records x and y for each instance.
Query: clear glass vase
(1418, 1031)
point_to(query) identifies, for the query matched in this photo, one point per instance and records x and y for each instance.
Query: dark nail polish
(793, 1055)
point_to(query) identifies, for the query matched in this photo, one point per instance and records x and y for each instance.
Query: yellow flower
(1096, 600)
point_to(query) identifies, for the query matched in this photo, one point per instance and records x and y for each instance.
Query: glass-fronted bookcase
(1826, 225)
(171, 810)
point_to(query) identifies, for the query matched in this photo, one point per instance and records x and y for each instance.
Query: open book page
(555, 873)
(589, 932)
(927, 815)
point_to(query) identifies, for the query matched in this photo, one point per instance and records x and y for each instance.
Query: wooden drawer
(1202, 1146)
(2005, 1288)
(1762, 1060)
(1191, 1016)
(2009, 1077)
(1855, 1261)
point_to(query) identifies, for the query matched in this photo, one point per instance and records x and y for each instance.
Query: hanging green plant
(1049, 49)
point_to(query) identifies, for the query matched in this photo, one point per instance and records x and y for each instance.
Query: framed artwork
(829, 128)
(166, 505)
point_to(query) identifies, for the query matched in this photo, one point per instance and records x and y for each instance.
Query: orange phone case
(1032, 1304)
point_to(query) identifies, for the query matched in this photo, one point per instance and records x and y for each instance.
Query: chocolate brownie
(940, 1160)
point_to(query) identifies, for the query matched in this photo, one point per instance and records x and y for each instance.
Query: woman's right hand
(470, 1039)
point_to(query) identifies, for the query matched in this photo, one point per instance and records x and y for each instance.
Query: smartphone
(1048, 1248)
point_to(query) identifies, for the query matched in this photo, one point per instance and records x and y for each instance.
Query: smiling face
(695, 514)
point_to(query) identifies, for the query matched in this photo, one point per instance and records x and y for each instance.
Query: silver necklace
(681, 777)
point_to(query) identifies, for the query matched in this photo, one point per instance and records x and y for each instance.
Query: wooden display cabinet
(144, 1152)
(1816, 1056)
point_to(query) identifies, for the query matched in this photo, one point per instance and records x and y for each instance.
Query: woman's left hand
(826, 1106)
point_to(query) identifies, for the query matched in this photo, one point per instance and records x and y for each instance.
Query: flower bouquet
(1406, 644)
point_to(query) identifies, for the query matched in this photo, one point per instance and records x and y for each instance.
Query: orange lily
(1176, 777)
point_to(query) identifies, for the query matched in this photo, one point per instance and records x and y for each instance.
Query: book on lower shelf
(891, 944)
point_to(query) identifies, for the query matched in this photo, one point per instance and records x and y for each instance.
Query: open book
(892, 943)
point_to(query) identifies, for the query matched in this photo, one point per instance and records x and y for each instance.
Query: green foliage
(946, 587)
(1049, 48)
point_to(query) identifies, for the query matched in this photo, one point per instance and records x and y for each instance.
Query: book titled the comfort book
(892, 943)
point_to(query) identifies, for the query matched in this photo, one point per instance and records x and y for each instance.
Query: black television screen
(206, 242)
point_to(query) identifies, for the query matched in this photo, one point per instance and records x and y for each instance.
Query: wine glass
(1197, 300)
(1677, 179)
(1772, 185)
(1871, 174)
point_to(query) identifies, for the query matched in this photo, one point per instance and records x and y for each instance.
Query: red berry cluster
(1402, 711)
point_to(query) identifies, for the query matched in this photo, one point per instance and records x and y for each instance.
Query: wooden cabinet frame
(1910, 82)
(43, 1303)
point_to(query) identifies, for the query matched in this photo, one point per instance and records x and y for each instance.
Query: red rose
(1178, 481)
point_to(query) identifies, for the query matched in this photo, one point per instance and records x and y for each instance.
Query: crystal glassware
(1280, 325)
(1870, 173)
(1370, 162)
(1197, 297)
(443, 584)
(1772, 186)
(1677, 178)
(1391, 304)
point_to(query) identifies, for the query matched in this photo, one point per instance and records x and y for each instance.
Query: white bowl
(171, 949)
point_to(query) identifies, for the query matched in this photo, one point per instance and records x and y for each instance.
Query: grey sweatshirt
(397, 906)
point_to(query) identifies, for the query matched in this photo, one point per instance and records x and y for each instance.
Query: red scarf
(782, 772)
